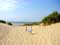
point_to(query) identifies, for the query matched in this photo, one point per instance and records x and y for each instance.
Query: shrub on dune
(35, 23)
(9, 23)
(51, 18)
(2, 21)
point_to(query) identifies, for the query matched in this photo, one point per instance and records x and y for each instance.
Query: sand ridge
(42, 35)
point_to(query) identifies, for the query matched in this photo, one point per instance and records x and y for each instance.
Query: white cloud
(7, 4)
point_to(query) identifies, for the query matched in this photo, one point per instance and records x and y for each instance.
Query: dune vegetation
(2, 21)
(51, 18)
(54, 17)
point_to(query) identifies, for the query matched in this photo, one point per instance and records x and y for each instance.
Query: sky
(27, 10)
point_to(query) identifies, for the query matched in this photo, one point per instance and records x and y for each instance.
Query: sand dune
(41, 35)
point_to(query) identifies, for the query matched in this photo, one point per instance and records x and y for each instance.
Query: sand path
(49, 35)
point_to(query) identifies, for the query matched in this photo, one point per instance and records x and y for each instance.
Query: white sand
(41, 35)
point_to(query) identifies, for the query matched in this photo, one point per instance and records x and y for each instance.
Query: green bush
(35, 23)
(9, 23)
(27, 24)
(2, 21)
(51, 18)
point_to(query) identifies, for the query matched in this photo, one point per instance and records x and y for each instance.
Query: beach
(40, 35)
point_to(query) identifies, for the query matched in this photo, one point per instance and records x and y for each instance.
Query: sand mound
(49, 35)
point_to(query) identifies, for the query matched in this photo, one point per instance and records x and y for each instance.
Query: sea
(20, 23)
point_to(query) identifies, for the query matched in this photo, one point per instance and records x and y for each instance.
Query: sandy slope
(49, 35)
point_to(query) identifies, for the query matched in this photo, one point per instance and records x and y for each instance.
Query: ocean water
(20, 23)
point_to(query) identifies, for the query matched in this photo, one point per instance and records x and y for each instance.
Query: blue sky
(27, 10)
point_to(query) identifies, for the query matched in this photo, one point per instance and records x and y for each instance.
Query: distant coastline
(21, 23)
